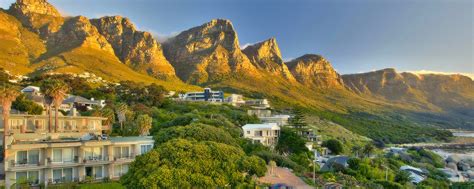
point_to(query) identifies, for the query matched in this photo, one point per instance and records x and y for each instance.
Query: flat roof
(131, 139)
(261, 126)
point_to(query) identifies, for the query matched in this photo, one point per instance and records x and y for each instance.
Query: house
(31, 90)
(258, 103)
(266, 134)
(76, 151)
(235, 100)
(80, 103)
(417, 175)
(331, 163)
(260, 113)
(280, 120)
(207, 95)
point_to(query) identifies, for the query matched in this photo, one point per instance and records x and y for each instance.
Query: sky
(354, 35)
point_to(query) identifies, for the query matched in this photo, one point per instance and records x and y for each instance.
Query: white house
(266, 134)
(416, 174)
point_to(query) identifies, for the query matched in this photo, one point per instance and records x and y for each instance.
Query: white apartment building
(76, 152)
(266, 134)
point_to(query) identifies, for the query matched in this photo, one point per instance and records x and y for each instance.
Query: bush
(389, 185)
(334, 145)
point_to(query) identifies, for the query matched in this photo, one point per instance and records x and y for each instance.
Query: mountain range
(36, 39)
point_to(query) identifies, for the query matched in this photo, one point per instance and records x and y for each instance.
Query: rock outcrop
(136, 48)
(38, 15)
(210, 52)
(266, 56)
(78, 32)
(315, 71)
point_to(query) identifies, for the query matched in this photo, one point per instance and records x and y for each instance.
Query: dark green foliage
(298, 120)
(389, 185)
(303, 159)
(280, 160)
(462, 185)
(23, 104)
(290, 142)
(334, 145)
(185, 164)
(354, 163)
(195, 131)
(402, 177)
(3, 76)
(387, 129)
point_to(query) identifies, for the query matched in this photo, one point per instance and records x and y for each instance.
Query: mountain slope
(315, 71)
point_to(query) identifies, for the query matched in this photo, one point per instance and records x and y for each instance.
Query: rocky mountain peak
(316, 71)
(207, 52)
(42, 7)
(136, 48)
(266, 56)
(38, 15)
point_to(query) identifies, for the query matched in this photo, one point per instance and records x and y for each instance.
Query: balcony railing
(94, 159)
(74, 160)
(126, 157)
(25, 163)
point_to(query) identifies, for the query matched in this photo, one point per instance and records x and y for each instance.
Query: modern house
(258, 103)
(207, 95)
(76, 151)
(266, 134)
(80, 103)
(235, 100)
(280, 120)
(416, 174)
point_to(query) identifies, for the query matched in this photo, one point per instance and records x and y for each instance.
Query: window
(258, 133)
(120, 170)
(145, 148)
(22, 157)
(33, 157)
(16, 123)
(122, 152)
(61, 175)
(248, 132)
(39, 124)
(94, 153)
(21, 176)
(33, 176)
(98, 172)
(57, 155)
(68, 155)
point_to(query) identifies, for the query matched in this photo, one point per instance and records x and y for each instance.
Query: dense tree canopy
(195, 131)
(23, 104)
(182, 163)
(290, 142)
(334, 145)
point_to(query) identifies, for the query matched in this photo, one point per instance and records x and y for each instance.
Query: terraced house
(76, 150)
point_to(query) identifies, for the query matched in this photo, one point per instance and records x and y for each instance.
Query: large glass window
(121, 152)
(33, 176)
(68, 155)
(22, 157)
(67, 172)
(57, 155)
(33, 157)
(93, 153)
(145, 148)
(21, 176)
(57, 175)
(120, 170)
(98, 172)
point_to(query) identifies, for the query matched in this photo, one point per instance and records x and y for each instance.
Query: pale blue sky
(355, 35)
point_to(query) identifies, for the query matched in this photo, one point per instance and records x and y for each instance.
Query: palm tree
(368, 149)
(8, 94)
(356, 150)
(121, 110)
(109, 114)
(57, 91)
(144, 124)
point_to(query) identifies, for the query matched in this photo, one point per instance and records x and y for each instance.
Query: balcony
(64, 163)
(25, 164)
(95, 160)
(124, 159)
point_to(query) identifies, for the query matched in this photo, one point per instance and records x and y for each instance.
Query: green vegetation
(334, 145)
(23, 104)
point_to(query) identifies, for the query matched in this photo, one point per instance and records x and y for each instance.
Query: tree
(403, 177)
(182, 163)
(121, 109)
(356, 150)
(253, 165)
(57, 91)
(8, 94)
(334, 145)
(25, 105)
(298, 120)
(368, 149)
(195, 131)
(290, 142)
(143, 122)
